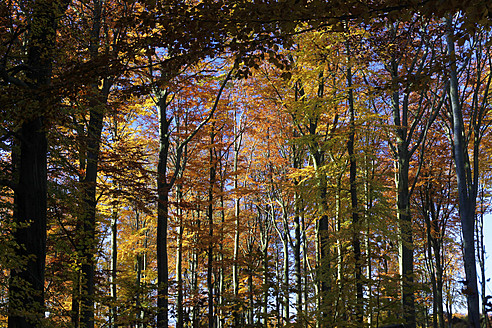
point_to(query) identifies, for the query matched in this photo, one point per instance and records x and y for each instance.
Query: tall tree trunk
(405, 234)
(250, 318)
(359, 297)
(481, 257)
(139, 269)
(439, 279)
(430, 258)
(163, 190)
(266, 285)
(323, 263)
(237, 200)
(305, 266)
(179, 259)
(222, 286)
(404, 219)
(466, 186)
(286, 287)
(297, 260)
(296, 164)
(88, 240)
(210, 214)
(194, 273)
(340, 301)
(114, 267)
(368, 166)
(26, 284)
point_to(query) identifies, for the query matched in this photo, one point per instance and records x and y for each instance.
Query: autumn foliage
(243, 163)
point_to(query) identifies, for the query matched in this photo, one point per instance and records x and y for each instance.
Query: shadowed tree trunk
(467, 185)
(359, 307)
(26, 285)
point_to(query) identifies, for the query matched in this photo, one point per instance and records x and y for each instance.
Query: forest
(249, 163)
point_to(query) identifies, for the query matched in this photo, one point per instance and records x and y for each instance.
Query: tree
(33, 95)
(472, 101)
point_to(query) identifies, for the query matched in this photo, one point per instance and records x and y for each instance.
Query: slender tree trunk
(235, 265)
(305, 267)
(481, 259)
(359, 307)
(339, 300)
(163, 190)
(266, 285)
(97, 103)
(439, 280)
(431, 259)
(250, 308)
(466, 187)
(222, 286)
(250, 318)
(404, 218)
(194, 274)
(89, 239)
(286, 287)
(139, 268)
(210, 214)
(323, 274)
(114, 267)
(179, 260)
(297, 261)
(368, 205)
(162, 258)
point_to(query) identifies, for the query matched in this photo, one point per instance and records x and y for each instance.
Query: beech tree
(468, 100)
(28, 75)
(123, 128)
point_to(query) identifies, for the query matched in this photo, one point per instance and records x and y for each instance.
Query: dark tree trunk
(179, 260)
(210, 214)
(163, 189)
(114, 267)
(87, 223)
(359, 306)
(466, 187)
(26, 284)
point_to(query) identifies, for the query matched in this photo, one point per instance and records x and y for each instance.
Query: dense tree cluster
(244, 163)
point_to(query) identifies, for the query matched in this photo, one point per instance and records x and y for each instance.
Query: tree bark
(26, 284)
(163, 189)
(114, 267)
(359, 297)
(237, 200)
(466, 186)
(210, 214)
(179, 259)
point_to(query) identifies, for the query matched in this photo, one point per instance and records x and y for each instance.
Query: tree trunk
(359, 297)
(194, 274)
(210, 214)
(114, 267)
(466, 187)
(179, 259)
(367, 206)
(404, 219)
(481, 258)
(286, 287)
(163, 189)
(235, 265)
(26, 284)
(88, 239)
